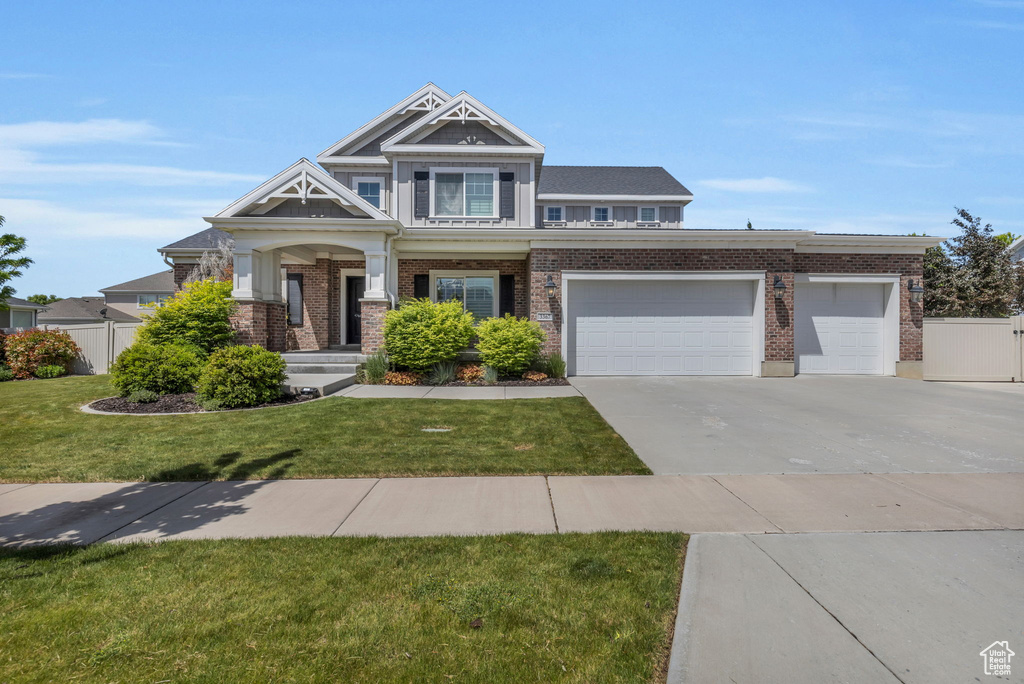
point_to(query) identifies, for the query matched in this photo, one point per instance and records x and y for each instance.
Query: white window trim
(561, 210)
(657, 215)
(434, 275)
(611, 213)
(356, 180)
(434, 170)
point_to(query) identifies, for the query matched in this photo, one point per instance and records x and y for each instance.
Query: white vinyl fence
(100, 343)
(978, 349)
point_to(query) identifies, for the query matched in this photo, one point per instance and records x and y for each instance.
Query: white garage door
(671, 327)
(839, 328)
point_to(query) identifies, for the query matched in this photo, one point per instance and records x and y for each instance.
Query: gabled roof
(465, 108)
(302, 180)
(84, 309)
(1017, 248)
(157, 282)
(427, 99)
(14, 302)
(614, 181)
(203, 240)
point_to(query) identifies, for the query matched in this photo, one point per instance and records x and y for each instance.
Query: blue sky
(123, 123)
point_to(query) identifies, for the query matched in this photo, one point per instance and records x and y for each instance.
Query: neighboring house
(82, 310)
(140, 295)
(442, 197)
(1017, 249)
(19, 314)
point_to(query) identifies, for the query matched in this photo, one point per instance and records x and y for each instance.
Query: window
(464, 193)
(370, 189)
(21, 319)
(151, 300)
(602, 214)
(477, 291)
(294, 299)
(554, 214)
(647, 215)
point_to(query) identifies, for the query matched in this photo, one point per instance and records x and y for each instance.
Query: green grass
(557, 608)
(46, 438)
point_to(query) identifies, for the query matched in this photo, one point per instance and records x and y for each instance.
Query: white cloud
(39, 220)
(44, 133)
(766, 184)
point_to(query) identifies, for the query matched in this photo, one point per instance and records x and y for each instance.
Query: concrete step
(302, 368)
(322, 383)
(323, 356)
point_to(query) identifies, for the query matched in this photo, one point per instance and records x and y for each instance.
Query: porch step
(322, 356)
(304, 368)
(323, 383)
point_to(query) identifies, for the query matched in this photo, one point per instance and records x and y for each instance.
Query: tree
(970, 275)
(42, 299)
(750, 226)
(218, 264)
(10, 265)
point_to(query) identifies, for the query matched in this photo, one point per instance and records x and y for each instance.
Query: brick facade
(373, 324)
(322, 287)
(181, 272)
(408, 268)
(260, 323)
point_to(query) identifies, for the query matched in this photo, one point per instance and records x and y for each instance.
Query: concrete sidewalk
(85, 513)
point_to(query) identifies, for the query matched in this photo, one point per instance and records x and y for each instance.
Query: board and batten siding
(974, 349)
(623, 216)
(523, 194)
(346, 177)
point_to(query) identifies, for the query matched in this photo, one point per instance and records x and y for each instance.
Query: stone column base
(778, 369)
(372, 323)
(912, 370)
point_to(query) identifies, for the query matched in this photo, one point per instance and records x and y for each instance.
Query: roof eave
(578, 197)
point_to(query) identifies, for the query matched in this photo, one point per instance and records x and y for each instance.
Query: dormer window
(602, 214)
(370, 189)
(553, 214)
(647, 215)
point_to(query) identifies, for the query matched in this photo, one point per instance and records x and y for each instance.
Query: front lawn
(556, 608)
(44, 437)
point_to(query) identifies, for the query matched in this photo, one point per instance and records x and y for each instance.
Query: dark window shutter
(421, 285)
(506, 295)
(507, 195)
(422, 192)
(294, 299)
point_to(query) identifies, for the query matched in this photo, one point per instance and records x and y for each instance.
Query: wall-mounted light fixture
(779, 287)
(550, 287)
(916, 291)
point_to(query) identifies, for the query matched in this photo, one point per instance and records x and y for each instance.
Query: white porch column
(375, 266)
(270, 276)
(247, 275)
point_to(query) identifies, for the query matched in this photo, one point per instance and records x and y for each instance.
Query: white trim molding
(631, 199)
(463, 170)
(379, 180)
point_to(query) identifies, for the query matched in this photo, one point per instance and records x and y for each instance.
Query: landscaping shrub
(376, 367)
(28, 350)
(534, 376)
(143, 397)
(242, 376)
(3, 354)
(6, 374)
(50, 371)
(199, 315)
(470, 373)
(442, 373)
(509, 344)
(401, 378)
(421, 333)
(556, 365)
(160, 368)
(490, 375)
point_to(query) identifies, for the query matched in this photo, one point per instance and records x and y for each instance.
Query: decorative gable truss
(462, 109)
(304, 182)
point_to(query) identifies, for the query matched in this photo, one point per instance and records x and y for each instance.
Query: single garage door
(654, 327)
(839, 328)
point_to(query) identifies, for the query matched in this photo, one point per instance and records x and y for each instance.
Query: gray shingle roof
(204, 239)
(157, 282)
(85, 308)
(609, 180)
(22, 303)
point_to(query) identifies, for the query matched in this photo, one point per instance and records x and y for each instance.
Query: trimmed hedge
(27, 351)
(422, 333)
(160, 368)
(241, 376)
(509, 344)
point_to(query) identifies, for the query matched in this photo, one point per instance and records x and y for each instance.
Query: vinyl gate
(978, 349)
(100, 342)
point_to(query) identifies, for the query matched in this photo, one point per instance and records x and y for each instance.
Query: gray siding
(312, 208)
(623, 216)
(345, 178)
(372, 148)
(524, 211)
(458, 133)
(126, 303)
(5, 318)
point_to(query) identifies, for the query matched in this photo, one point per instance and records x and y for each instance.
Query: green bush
(28, 350)
(556, 366)
(143, 397)
(241, 376)
(376, 367)
(6, 374)
(509, 344)
(50, 371)
(422, 333)
(160, 368)
(199, 315)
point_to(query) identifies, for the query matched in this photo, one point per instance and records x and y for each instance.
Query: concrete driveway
(813, 424)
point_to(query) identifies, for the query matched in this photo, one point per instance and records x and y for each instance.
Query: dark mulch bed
(177, 403)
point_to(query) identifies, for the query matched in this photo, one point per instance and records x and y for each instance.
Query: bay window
(464, 192)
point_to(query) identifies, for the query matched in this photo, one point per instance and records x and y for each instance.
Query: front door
(354, 287)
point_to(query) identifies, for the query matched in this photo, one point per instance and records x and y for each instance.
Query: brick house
(441, 197)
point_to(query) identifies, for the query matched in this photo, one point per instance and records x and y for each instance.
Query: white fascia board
(554, 196)
(461, 150)
(862, 278)
(1017, 244)
(382, 118)
(868, 244)
(464, 247)
(290, 223)
(663, 275)
(341, 163)
(449, 253)
(541, 235)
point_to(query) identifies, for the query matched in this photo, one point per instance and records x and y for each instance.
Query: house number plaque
(545, 316)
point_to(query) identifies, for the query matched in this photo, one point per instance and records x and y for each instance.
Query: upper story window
(152, 300)
(647, 215)
(602, 214)
(464, 192)
(553, 214)
(370, 189)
